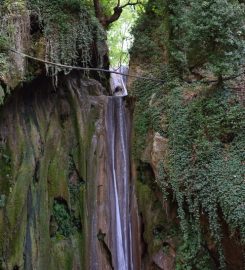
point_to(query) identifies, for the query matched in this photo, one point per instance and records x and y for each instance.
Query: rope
(84, 68)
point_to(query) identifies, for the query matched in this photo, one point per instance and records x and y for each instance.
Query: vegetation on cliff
(44, 138)
(197, 48)
(65, 32)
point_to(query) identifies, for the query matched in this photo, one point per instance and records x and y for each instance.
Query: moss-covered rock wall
(56, 206)
(46, 137)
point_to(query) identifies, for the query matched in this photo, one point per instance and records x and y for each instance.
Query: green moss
(4, 44)
(148, 112)
(16, 4)
(58, 176)
(6, 169)
(153, 217)
(62, 255)
(15, 218)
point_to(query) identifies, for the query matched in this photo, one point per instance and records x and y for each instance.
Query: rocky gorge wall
(41, 148)
(57, 199)
(186, 187)
(67, 199)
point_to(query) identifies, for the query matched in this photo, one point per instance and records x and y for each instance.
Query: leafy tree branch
(105, 19)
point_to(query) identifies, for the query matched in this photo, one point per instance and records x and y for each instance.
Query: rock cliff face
(44, 143)
(71, 194)
(67, 198)
(59, 193)
(15, 23)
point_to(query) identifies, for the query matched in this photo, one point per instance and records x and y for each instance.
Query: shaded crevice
(145, 173)
(74, 172)
(156, 267)
(36, 26)
(75, 183)
(105, 248)
(28, 241)
(36, 172)
(212, 256)
(143, 242)
(4, 88)
(227, 137)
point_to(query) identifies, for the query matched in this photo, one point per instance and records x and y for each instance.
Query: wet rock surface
(56, 180)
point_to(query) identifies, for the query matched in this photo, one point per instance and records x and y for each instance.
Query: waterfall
(118, 82)
(111, 212)
(119, 174)
(119, 167)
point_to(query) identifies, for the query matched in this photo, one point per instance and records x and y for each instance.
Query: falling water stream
(119, 171)
(112, 209)
(119, 166)
(118, 81)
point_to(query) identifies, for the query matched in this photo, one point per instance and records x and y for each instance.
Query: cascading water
(119, 174)
(113, 227)
(118, 82)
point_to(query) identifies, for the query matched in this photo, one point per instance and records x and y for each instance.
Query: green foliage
(66, 222)
(13, 4)
(2, 94)
(72, 6)
(62, 218)
(109, 5)
(4, 45)
(159, 228)
(147, 114)
(2, 200)
(208, 34)
(74, 186)
(203, 124)
(150, 33)
(70, 29)
(196, 34)
(120, 39)
(206, 145)
(6, 169)
(191, 256)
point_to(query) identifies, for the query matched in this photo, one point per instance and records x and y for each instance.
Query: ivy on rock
(203, 123)
(70, 30)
